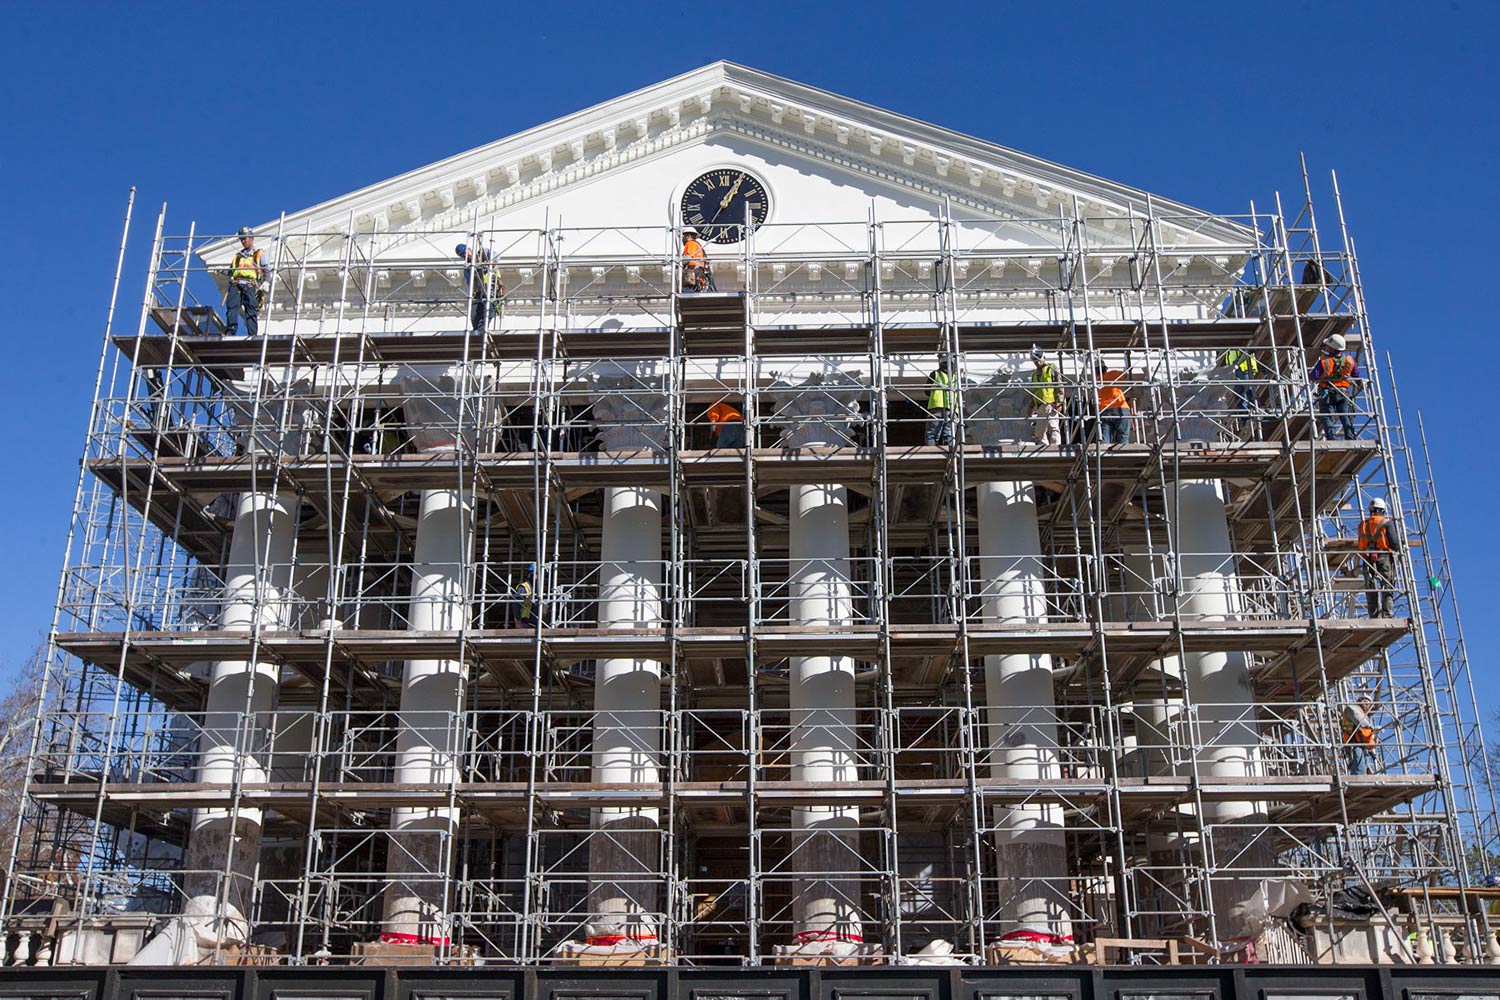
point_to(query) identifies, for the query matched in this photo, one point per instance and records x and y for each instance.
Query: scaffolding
(596, 370)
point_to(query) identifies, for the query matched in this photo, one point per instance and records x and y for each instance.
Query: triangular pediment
(825, 158)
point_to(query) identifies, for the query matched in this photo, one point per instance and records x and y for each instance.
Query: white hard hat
(1336, 342)
(1377, 504)
(689, 231)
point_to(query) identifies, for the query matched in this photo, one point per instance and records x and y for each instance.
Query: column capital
(1201, 400)
(255, 405)
(430, 399)
(997, 410)
(818, 408)
(630, 403)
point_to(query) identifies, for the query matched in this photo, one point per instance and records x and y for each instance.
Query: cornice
(459, 216)
(891, 148)
(921, 168)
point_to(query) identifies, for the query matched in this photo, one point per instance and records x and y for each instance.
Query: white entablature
(823, 158)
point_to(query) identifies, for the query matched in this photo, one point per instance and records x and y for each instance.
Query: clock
(718, 201)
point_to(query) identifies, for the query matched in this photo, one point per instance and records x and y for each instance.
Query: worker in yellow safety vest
(1046, 401)
(482, 284)
(1246, 369)
(1378, 545)
(247, 283)
(524, 595)
(940, 398)
(1359, 736)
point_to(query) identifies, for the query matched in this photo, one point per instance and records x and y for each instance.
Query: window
(881, 995)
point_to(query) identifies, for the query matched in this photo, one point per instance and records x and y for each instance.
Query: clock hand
(732, 192)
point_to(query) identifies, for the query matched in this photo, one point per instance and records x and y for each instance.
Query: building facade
(969, 575)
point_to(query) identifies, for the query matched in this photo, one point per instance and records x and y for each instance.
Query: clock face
(717, 203)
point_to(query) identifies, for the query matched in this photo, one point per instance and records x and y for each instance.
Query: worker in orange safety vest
(728, 425)
(1359, 736)
(1378, 545)
(697, 273)
(1336, 377)
(1114, 403)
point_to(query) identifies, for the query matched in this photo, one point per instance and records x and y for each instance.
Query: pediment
(627, 157)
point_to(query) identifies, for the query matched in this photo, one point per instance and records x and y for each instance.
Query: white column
(1156, 713)
(257, 580)
(624, 889)
(431, 726)
(1156, 707)
(625, 869)
(1219, 682)
(1219, 687)
(823, 742)
(1022, 721)
(1227, 736)
(283, 859)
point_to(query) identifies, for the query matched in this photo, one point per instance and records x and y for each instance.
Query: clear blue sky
(237, 112)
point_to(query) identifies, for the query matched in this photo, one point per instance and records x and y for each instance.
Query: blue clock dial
(719, 202)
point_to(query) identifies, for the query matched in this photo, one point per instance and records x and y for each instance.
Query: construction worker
(482, 283)
(1046, 401)
(1378, 545)
(728, 425)
(1246, 368)
(247, 283)
(697, 273)
(524, 596)
(1336, 376)
(1114, 407)
(939, 404)
(1359, 736)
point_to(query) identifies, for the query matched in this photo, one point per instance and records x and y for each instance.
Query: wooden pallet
(1103, 947)
(602, 958)
(250, 954)
(815, 960)
(1021, 953)
(384, 953)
